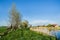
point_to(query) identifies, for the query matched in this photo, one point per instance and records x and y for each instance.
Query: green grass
(2, 29)
(26, 35)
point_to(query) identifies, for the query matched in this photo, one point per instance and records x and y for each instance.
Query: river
(55, 33)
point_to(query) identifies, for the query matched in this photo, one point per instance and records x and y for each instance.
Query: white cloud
(41, 22)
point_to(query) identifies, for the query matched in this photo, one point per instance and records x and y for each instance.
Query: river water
(55, 33)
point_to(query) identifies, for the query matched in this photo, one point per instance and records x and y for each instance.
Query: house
(55, 25)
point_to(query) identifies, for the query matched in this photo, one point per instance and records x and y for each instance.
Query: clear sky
(37, 12)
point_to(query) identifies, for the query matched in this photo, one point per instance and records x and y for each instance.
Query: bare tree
(15, 17)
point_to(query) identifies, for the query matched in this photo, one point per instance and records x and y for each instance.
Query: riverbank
(26, 34)
(45, 30)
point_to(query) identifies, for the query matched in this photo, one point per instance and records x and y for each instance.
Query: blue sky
(37, 12)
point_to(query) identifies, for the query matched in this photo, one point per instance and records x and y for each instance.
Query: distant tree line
(49, 25)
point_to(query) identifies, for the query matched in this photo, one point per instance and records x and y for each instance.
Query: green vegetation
(26, 34)
(2, 29)
(49, 25)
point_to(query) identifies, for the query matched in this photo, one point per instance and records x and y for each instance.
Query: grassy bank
(25, 35)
